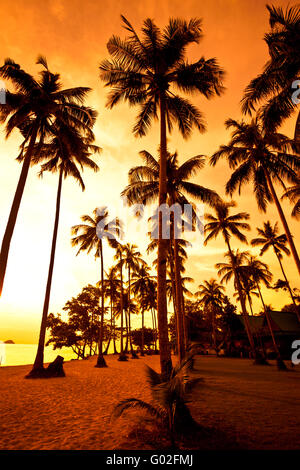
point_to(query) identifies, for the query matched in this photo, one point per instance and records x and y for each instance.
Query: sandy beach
(247, 406)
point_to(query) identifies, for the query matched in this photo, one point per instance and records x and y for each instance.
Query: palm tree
(112, 286)
(66, 150)
(259, 273)
(89, 236)
(262, 157)
(227, 225)
(211, 295)
(141, 280)
(132, 261)
(274, 84)
(119, 256)
(293, 193)
(169, 399)
(31, 108)
(144, 188)
(143, 71)
(270, 238)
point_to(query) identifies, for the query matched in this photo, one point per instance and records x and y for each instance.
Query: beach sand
(247, 406)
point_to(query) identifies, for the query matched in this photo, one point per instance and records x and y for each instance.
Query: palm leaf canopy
(36, 103)
(274, 85)
(144, 68)
(251, 153)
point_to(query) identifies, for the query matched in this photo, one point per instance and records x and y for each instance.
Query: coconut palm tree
(261, 157)
(144, 188)
(119, 257)
(293, 193)
(169, 399)
(141, 280)
(269, 238)
(148, 71)
(65, 152)
(274, 85)
(32, 107)
(132, 261)
(211, 295)
(112, 286)
(89, 236)
(222, 223)
(259, 273)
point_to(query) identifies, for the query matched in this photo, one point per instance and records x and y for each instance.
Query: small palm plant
(170, 398)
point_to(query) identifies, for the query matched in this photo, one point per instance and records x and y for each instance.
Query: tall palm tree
(269, 238)
(119, 257)
(211, 295)
(274, 85)
(259, 273)
(112, 286)
(65, 152)
(132, 261)
(222, 223)
(144, 188)
(89, 236)
(144, 71)
(262, 158)
(141, 280)
(293, 193)
(31, 108)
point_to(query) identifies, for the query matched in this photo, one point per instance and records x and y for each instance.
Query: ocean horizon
(24, 354)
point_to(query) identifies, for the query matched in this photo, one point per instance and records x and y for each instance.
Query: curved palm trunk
(15, 209)
(242, 302)
(283, 221)
(250, 303)
(281, 364)
(143, 335)
(286, 279)
(180, 327)
(38, 366)
(185, 326)
(162, 312)
(100, 360)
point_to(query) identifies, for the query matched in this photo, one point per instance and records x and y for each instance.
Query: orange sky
(72, 34)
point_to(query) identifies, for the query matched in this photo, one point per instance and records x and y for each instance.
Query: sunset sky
(72, 34)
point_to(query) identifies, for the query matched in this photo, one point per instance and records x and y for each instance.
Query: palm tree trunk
(185, 326)
(111, 326)
(114, 337)
(242, 302)
(280, 362)
(122, 355)
(283, 220)
(15, 209)
(38, 366)
(250, 303)
(143, 335)
(180, 327)
(286, 279)
(162, 311)
(100, 360)
(129, 315)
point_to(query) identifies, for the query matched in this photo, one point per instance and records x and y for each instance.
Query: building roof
(282, 323)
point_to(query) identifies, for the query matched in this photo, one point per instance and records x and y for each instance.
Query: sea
(23, 354)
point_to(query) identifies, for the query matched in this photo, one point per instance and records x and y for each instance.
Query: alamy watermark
(176, 220)
(2, 353)
(296, 354)
(2, 93)
(296, 94)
